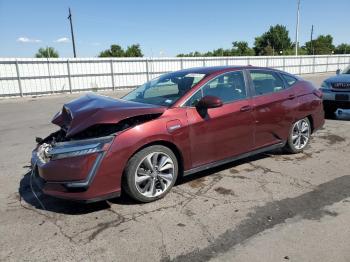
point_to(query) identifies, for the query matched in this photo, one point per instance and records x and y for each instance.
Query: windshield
(346, 71)
(166, 89)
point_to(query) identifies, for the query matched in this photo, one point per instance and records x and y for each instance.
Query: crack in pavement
(53, 220)
(203, 190)
(309, 205)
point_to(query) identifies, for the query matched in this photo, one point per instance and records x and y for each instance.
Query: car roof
(217, 69)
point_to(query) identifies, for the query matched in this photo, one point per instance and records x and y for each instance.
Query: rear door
(273, 105)
(225, 131)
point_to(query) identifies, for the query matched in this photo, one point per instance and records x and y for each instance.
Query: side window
(290, 80)
(266, 82)
(228, 87)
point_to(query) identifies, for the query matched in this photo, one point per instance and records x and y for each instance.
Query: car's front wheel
(299, 136)
(150, 173)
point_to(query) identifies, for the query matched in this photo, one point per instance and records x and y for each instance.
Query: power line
(71, 30)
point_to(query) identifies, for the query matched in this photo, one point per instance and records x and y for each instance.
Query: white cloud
(62, 40)
(24, 39)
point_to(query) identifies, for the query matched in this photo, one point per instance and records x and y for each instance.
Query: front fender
(128, 142)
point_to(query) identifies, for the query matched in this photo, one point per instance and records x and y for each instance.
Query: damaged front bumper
(68, 169)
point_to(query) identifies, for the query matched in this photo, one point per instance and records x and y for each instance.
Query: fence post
(49, 72)
(327, 63)
(227, 61)
(112, 75)
(313, 64)
(69, 77)
(248, 61)
(182, 63)
(19, 79)
(284, 63)
(300, 61)
(338, 61)
(147, 69)
(267, 61)
(204, 62)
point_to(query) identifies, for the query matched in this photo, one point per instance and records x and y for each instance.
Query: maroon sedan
(177, 124)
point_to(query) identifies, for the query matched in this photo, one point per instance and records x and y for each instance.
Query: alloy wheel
(300, 134)
(154, 174)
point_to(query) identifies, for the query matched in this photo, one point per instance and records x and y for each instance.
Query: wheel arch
(167, 144)
(311, 120)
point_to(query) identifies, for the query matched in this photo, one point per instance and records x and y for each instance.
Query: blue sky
(161, 27)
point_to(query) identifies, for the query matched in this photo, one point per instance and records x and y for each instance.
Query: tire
(150, 173)
(329, 111)
(299, 136)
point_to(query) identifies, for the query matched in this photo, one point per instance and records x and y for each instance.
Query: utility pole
(297, 30)
(312, 44)
(72, 33)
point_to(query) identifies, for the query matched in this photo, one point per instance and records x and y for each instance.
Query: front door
(222, 132)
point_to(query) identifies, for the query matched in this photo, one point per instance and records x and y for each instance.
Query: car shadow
(48, 203)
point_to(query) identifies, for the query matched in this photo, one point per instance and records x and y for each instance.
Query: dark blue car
(336, 92)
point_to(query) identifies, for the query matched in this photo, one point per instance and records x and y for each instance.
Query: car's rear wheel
(151, 173)
(299, 136)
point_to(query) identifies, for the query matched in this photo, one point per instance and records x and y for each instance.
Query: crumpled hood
(93, 109)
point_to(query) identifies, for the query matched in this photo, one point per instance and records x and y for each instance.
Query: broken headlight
(79, 147)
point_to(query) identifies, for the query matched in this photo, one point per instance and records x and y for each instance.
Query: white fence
(32, 76)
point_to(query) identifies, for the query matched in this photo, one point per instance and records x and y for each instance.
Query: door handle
(291, 96)
(245, 108)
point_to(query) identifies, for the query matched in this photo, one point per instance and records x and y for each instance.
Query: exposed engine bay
(96, 131)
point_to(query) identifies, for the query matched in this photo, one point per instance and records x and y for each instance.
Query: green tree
(193, 54)
(118, 51)
(291, 51)
(114, 51)
(47, 52)
(241, 48)
(322, 45)
(342, 49)
(134, 51)
(273, 41)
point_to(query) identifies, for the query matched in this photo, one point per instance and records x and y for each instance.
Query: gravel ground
(271, 207)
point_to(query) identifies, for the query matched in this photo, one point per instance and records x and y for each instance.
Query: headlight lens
(79, 147)
(325, 85)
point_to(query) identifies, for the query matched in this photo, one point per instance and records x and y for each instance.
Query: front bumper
(340, 99)
(77, 178)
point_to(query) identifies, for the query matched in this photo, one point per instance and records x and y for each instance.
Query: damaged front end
(72, 164)
(68, 160)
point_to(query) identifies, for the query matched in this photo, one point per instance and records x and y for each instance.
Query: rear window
(290, 80)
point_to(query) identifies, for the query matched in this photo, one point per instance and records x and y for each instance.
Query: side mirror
(337, 72)
(209, 102)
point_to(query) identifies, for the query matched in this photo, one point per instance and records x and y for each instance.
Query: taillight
(318, 93)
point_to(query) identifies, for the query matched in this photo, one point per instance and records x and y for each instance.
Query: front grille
(341, 85)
